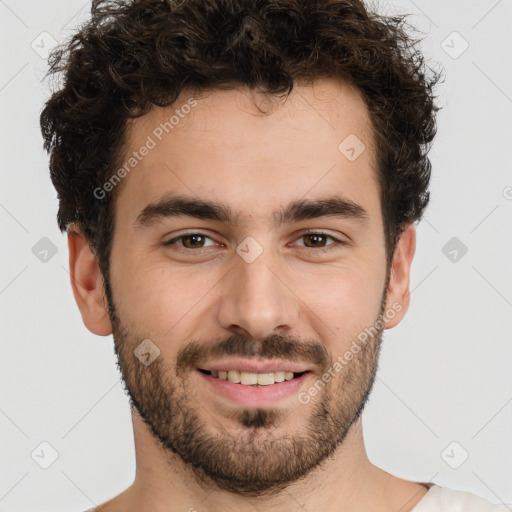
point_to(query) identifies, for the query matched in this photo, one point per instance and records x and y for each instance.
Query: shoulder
(443, 499)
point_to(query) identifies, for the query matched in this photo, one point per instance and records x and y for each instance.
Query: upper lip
(256, 366)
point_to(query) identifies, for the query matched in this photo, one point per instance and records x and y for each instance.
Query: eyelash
(327, 248)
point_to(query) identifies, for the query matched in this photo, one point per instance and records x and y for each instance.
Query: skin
(225, 150)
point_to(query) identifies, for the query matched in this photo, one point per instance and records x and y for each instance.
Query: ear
(87, 283)
(398, 297)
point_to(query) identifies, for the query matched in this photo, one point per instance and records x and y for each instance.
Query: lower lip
(255, 395)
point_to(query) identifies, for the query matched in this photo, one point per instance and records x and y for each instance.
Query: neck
(346, 481)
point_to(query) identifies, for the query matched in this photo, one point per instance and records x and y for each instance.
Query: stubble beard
(250, 455)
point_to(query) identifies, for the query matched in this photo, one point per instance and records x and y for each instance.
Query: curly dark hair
(134, 54)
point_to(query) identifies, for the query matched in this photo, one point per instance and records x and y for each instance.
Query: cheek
(344, 301)
(159, 301)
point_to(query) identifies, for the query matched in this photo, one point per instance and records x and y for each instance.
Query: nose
(256, 300)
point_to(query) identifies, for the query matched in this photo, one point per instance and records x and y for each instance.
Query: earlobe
(87, 283)
(398, 296)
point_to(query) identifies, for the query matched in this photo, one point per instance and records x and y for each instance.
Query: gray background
(444, 390)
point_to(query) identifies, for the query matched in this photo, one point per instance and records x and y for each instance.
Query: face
(250, 246)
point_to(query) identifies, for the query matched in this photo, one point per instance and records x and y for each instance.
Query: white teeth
(250, 379)
(264, 379)
(278, 376)
(234, 376)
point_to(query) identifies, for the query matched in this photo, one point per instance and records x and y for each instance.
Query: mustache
(275, 346)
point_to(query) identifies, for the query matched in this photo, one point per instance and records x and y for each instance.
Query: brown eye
(191, 241)
(319, 240)
(315, 239)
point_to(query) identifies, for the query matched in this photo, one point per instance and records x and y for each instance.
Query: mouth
(252, 383)
(253, 379)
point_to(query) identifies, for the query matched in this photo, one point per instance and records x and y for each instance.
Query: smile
(252, 379)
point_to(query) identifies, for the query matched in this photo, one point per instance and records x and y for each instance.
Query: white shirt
(443, 499)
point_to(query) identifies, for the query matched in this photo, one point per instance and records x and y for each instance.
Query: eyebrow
(302, 209)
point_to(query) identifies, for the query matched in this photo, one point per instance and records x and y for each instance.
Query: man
(239, 181)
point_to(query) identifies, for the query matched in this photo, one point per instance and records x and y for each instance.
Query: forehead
(315, 142)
